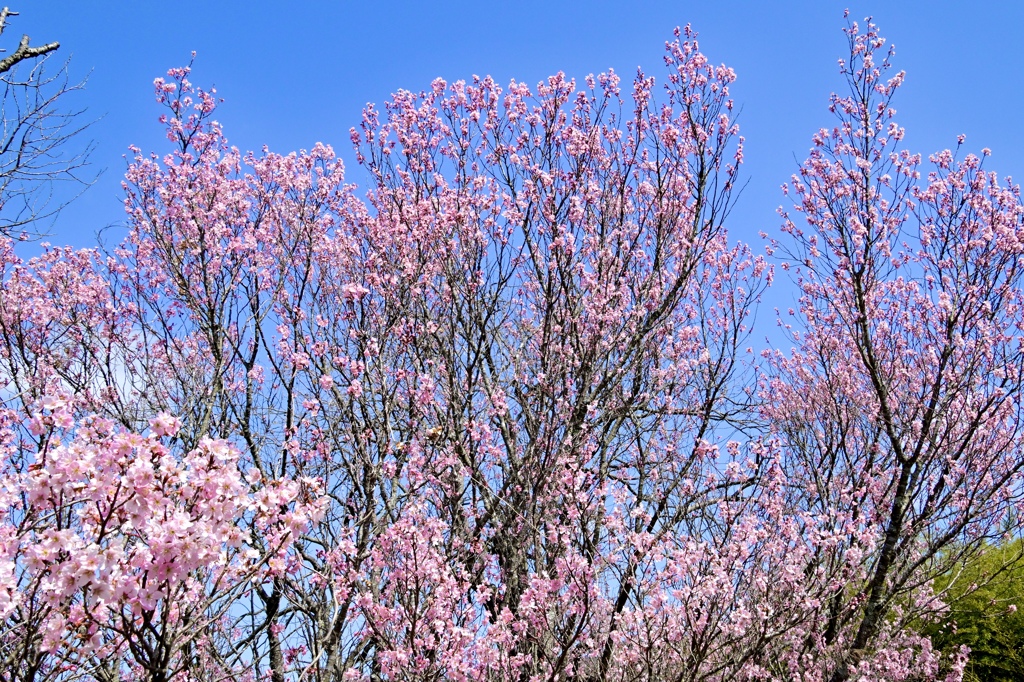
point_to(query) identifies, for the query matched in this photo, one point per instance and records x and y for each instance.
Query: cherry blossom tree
(119, 555)
(499, 416)
(900, 408)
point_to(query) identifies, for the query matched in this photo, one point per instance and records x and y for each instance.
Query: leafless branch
(36, 131)
(24, 51)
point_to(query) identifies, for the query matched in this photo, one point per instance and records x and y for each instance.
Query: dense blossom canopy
(500, 415)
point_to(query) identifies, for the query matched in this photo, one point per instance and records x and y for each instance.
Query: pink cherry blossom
(502, 415)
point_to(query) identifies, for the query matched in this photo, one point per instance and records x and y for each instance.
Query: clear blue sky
(293, 73)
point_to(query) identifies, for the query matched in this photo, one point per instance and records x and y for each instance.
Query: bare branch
(24, 51)
(35, 129)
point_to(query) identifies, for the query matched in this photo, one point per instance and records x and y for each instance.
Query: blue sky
(293, 73)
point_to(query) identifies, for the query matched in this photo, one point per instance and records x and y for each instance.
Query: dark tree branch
(35, 129)
(24, 51)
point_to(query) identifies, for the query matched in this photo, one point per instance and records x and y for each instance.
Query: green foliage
(986, 597)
